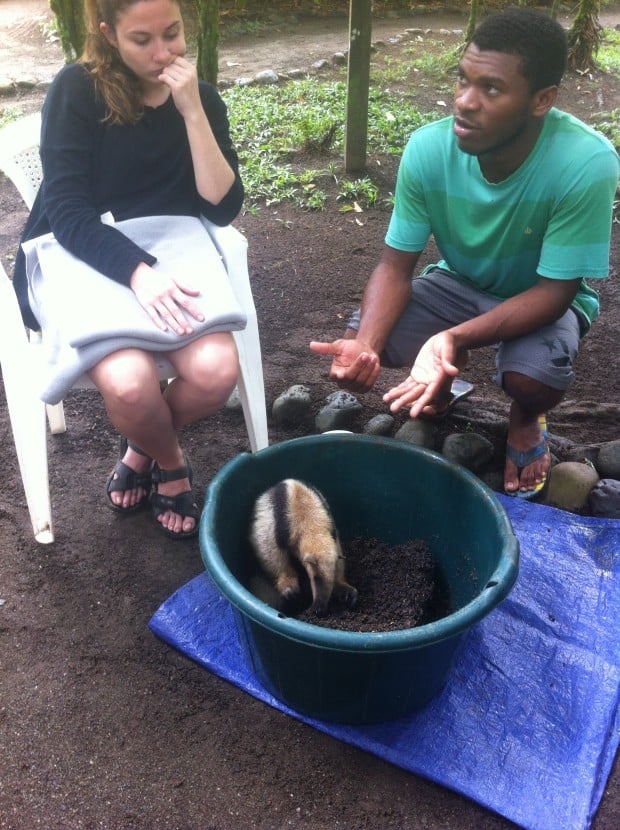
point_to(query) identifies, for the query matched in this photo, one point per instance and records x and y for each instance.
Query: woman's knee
(212, 364)
(126, 378)
(223, 373)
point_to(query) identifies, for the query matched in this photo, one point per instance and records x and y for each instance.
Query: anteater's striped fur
(291, 523)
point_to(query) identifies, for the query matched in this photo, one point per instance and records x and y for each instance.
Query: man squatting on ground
(518, 196)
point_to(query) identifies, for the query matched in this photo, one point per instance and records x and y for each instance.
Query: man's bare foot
(528, 459)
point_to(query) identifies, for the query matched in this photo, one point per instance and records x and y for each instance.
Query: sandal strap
(162, 476)
(125, 442)
(184, 504)
(137, 449)
(124, 478)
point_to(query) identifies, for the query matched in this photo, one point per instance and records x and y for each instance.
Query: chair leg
(251, 386)
(56, 418)
(27, 414)
(232, 247)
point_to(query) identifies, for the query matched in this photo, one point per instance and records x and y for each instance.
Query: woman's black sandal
(124, 478)
(183, 505)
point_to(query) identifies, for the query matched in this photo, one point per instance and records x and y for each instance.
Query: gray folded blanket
(85, 316)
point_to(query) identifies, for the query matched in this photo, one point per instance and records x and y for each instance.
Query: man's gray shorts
(439, 301)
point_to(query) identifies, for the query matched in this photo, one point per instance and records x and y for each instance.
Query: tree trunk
(472, 20)
(71, 26)
(208, 39)
(356, 132)
(584, 36)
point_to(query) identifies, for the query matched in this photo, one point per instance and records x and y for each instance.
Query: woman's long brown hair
(117, 85)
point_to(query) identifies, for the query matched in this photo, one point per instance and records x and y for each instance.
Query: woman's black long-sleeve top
(91, 166)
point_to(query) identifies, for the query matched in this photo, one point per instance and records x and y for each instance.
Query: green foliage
(608, 123)
(358, 191)
(9, 114)
(273, 127)
(608, 57)
(435, 63)
(238, 7)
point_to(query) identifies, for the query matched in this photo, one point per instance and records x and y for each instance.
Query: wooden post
(356, 135)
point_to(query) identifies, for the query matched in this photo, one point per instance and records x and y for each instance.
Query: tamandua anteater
(291, 521)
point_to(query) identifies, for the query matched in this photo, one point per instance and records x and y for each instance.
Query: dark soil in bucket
(399, 587)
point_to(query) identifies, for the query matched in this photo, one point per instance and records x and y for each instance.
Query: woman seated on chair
(129, 129)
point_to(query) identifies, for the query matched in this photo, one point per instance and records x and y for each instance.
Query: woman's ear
(544, 99)
(108, 34)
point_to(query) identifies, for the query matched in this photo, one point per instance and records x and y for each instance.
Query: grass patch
(9, 114)
(608, 56)
(608, 123)
(276, 128)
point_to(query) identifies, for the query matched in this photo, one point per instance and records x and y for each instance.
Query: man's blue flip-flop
(522, 459)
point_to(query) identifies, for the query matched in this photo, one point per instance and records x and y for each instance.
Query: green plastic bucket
(376, 488)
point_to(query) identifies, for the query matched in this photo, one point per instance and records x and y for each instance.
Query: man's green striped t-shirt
(550, 218)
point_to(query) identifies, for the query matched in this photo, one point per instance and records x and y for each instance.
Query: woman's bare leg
(130, 388)
(206, 373)
(128, 381)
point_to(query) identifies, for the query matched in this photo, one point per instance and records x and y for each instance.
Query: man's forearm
(384, 301)
(386, 296)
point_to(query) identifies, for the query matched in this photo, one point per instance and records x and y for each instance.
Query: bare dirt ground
(101, 724)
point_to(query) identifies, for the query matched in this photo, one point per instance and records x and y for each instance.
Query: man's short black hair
(535, 37)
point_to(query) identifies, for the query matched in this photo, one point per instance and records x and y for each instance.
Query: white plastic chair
(19, 348)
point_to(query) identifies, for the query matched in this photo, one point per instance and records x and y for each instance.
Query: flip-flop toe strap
(524, 458)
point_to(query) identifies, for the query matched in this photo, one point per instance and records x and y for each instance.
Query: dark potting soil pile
(399, 587)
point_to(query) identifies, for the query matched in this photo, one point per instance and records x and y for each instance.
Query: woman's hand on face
(182, 79)
(164, 298)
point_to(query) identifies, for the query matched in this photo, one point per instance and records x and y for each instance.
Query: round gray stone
(604, 498)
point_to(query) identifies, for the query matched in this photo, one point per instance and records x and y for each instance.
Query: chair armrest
(232, 246)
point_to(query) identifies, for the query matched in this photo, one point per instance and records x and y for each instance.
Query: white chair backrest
(19, 155)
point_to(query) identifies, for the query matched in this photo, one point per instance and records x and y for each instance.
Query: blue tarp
(528, 724)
